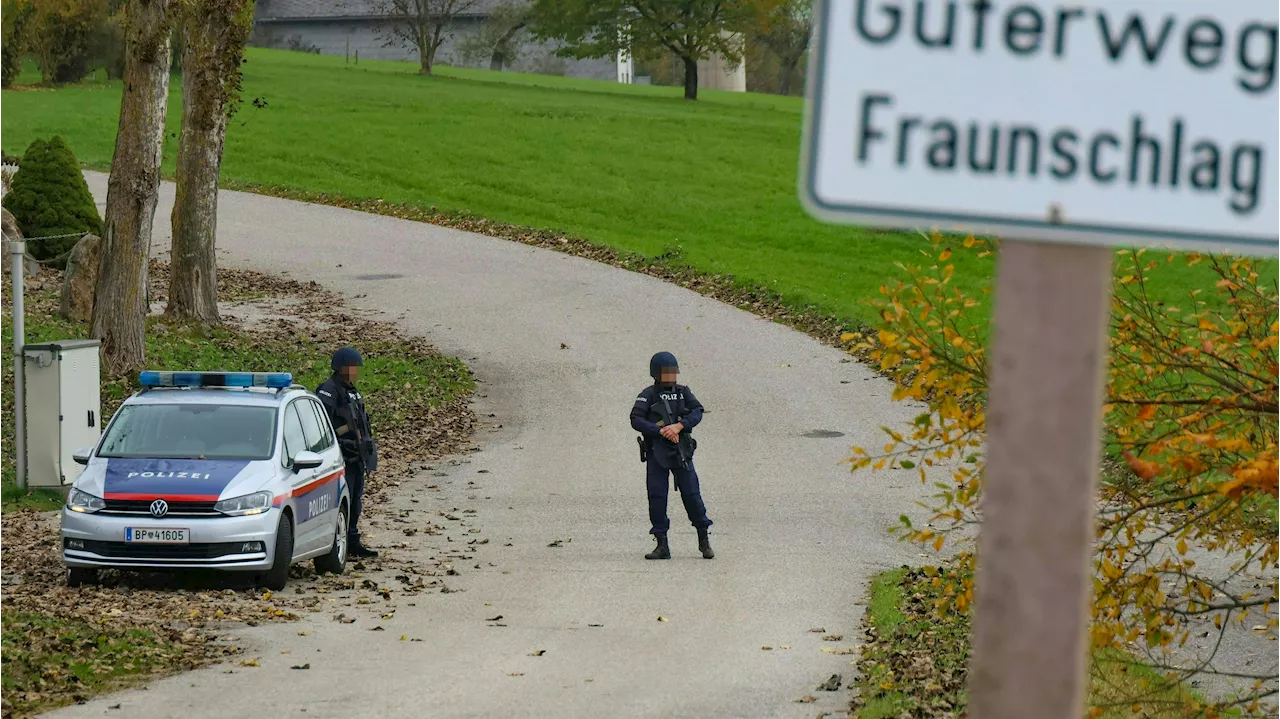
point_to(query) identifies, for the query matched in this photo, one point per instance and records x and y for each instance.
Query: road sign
(1106, 123)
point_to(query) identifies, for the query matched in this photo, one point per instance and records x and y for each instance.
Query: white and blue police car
(236, 471)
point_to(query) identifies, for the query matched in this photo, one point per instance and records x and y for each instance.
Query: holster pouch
(644, 456)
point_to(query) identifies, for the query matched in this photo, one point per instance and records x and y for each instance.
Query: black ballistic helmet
(660, 360)
(346, 357)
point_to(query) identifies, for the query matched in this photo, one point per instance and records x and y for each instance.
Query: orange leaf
(1144, 469)
(946, 255)
(1147, 412)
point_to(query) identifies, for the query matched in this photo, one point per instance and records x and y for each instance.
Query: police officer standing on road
(346, 411)
(665, 414)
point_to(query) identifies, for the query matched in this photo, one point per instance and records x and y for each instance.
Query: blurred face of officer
(349, 373)
(668, 375)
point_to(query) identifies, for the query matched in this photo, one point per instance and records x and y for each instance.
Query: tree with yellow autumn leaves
(1191, 429)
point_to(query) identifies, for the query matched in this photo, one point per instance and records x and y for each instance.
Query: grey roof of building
(346, 9)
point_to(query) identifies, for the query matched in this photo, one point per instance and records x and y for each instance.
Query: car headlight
(255, 503)
(80, 501)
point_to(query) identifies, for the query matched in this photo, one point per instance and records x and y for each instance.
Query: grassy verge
(914, 663)
(16, 500)
(51, 661)
(634, 169)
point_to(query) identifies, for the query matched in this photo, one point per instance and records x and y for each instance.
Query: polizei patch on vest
(1120, 122)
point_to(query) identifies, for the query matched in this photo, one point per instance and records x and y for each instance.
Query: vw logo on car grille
(159, 508)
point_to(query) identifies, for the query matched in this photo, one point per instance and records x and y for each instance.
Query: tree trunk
(120, 304)
(784, 82)
(690, 78)
(496, 61)
(424, 63)
(212, 53)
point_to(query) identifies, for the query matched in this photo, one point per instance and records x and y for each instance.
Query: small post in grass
(18, 256)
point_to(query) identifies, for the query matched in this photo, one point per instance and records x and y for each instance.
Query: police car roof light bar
(273, 380)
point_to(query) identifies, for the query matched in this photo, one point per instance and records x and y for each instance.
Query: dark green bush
(50, 197)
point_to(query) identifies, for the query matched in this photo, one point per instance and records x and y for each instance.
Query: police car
(235, 471)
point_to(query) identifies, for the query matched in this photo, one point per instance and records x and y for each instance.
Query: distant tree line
(667, 38)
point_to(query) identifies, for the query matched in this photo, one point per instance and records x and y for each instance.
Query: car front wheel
(335, 561)
(276, 578)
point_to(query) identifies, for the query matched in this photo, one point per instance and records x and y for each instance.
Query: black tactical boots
(704, 544)
(662, 551)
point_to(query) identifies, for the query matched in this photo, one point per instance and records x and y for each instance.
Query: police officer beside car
(345, 406)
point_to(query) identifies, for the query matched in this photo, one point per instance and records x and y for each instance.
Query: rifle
(682, 446)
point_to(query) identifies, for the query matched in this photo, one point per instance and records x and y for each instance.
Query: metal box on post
(63, 401)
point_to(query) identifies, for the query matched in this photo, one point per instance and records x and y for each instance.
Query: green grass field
(633, 167)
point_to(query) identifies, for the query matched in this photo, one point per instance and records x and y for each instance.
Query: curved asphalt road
(797, 537)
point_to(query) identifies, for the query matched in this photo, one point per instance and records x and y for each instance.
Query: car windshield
(191, 431)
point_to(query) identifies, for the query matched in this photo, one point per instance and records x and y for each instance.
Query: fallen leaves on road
(538, 653)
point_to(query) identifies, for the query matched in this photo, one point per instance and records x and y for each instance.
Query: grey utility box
(64, 399)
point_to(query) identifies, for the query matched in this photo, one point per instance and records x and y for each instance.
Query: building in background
(358, 29)
(717, 73)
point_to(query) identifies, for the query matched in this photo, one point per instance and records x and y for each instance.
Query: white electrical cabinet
(63, 406)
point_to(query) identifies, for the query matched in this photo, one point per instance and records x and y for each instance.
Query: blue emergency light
(273, 380)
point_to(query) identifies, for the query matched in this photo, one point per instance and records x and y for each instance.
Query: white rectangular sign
(1116, 123)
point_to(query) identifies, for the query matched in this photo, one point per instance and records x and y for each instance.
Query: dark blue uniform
(345, 406)
(663, 456)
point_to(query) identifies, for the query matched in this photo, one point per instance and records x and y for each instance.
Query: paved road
(797, 537)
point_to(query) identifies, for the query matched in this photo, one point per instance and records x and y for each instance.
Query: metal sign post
(17, 256)
(1065, 131)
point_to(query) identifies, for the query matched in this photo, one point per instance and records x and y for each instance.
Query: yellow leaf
(1182, 546)
(249, 663)
(937, 543)
(946, 255)
(662, 618)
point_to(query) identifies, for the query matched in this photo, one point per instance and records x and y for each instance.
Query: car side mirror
(306, 460)
(82, 455)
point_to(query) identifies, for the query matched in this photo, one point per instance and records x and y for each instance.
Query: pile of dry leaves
(189, 613)
(916, 663)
